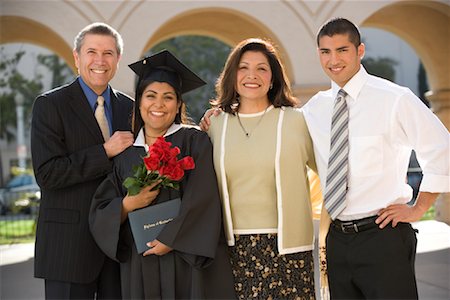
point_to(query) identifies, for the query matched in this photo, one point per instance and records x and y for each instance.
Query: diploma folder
(146, 223)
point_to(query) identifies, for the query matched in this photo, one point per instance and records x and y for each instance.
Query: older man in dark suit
(76, 130)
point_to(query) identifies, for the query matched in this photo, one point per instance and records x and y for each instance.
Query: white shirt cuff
(435, 183)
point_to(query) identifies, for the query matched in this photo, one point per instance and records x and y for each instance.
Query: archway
(22, 30)
(425, 26)
(428, 35)
(228, 30)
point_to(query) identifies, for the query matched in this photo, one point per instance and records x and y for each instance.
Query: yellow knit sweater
(293, 153)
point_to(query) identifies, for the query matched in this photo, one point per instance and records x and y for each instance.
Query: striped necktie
(101, 118)
(336, 184)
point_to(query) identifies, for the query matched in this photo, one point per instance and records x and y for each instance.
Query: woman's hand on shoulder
(205, 121)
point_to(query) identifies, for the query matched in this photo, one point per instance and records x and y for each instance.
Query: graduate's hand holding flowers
(160, 168)
(160, 165)
(144, 198)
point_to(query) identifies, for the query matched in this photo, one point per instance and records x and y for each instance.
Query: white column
(21, 147)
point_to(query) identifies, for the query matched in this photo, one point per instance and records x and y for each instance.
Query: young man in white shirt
(370, 244)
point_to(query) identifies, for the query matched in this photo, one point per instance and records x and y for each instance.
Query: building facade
(425, 25)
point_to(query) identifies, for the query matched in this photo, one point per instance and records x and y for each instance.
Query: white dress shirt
(386, 121)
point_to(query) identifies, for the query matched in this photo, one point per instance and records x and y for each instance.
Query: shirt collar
(140, 139)
(92, 96)
(354, 86)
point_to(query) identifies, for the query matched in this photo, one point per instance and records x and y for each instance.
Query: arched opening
(425, 26)
(397, 62)
(27, 71)
(204, 22)
(23, 30)
(429, 35)
(205, 56)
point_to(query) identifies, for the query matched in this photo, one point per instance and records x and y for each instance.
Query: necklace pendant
(247, 134)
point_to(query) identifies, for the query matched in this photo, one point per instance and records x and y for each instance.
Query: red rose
(161, 149)
(172, 162)
(176, 173)
(187, 163)
(158, 153)
(174, 151)
(164, 170)
(151, 162)
(162, 164)
(162, 144)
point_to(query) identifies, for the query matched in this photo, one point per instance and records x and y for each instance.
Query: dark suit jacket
(70, 162)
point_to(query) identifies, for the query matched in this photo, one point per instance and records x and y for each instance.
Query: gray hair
(98, 28)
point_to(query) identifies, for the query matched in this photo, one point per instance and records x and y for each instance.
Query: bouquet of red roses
(161, 163)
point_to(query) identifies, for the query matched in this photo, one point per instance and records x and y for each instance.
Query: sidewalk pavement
(432, 266)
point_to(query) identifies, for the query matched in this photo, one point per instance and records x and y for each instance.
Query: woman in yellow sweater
(261, 152)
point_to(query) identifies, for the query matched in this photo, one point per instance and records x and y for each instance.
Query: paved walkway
(432, 266)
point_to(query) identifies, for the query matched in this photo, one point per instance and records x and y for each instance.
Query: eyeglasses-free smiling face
(340, 59)
(158, 107)
(254, 76)
(97, 61)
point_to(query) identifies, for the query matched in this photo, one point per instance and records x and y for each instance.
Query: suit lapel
(81, 108)
(121, 119)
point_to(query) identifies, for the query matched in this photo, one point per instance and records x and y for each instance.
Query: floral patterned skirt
(261, 273)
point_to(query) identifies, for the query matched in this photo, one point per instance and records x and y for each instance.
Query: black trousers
(107, 286)
(372, 264)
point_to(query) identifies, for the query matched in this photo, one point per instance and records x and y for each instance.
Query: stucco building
(425, 25)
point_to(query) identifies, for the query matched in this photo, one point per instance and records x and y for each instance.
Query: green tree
(59, 71)
(206, 57)
(382, 67)
(11, 84)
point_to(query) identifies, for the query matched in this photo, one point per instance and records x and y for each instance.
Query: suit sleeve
(195, 232)
(57, 166)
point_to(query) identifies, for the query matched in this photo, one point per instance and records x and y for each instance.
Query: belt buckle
(346, 225)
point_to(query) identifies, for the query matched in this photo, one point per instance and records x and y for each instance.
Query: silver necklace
(249, 133)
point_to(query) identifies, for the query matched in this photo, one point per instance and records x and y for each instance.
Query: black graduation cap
(165, 67)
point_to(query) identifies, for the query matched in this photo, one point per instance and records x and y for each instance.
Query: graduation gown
(198, 267)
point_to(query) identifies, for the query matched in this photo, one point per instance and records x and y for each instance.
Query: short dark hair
(279, 95)
(340, 26)
(98, 28)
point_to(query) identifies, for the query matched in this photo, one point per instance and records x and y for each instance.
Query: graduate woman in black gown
(188, 259)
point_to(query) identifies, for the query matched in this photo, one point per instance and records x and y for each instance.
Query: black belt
(354, 226)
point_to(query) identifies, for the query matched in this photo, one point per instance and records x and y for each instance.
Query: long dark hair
(279, 95)
(180, 118)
